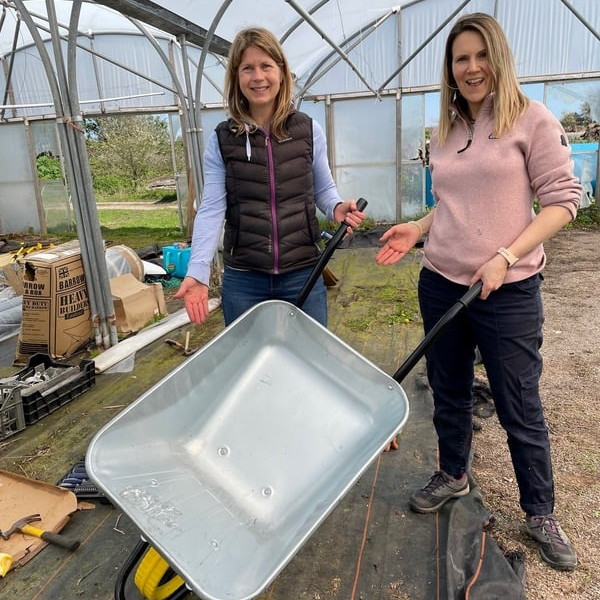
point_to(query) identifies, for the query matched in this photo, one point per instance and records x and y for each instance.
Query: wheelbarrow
(231, 462)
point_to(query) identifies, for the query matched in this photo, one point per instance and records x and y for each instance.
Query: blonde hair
(509, 100)
(238, 105)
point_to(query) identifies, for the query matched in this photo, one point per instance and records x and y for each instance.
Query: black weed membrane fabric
(473, 567)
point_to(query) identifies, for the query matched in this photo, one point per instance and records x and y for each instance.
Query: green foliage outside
(128, 152)
(48, 167)
(588, 218)
(581, 123)
(142, 228)
(110, 185)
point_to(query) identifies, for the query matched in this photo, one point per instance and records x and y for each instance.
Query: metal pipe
(36, 180)
(108, 319)
(193, 132)
(421, 46)
(109, 60)
(11, 64)
(296, 24)
(198, 177)
(175, 172)
(183, 98)
(399, 207)
(90, 239)
(583, 21)
(97, 77)
(56, 95)
(306, 16)
(198, 173)
(317, 74)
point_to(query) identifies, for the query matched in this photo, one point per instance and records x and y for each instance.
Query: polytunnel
(366, 70)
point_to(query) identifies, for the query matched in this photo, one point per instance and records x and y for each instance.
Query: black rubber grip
(60, 540)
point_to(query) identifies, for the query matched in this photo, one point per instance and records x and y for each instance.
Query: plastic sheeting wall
(365, 153)
(97, 78)
(546, 37)
(18, 212)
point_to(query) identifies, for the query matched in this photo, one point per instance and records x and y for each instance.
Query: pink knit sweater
(484, 195)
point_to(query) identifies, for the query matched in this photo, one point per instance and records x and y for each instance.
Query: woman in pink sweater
(493, 153)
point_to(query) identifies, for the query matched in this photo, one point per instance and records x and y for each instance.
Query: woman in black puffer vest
(265, 174)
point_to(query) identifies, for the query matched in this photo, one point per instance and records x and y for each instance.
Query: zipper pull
(248, 147)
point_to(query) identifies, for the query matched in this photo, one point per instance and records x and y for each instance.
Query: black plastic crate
(12, 419)
(64, 383)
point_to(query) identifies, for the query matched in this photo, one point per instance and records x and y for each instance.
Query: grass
(139, 229)
(136, 228)
(393, 305)
(392, 299)
(143, 228)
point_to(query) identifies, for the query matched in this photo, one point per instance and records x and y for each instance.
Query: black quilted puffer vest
(271, 223)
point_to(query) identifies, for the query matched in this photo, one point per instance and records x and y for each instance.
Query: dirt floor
(571, 390)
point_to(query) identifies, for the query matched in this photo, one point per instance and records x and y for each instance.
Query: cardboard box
(56, 312)
(11, 272)
(136, 303)
(159, 295)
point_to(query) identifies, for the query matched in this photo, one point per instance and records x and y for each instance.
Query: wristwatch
(510, 258)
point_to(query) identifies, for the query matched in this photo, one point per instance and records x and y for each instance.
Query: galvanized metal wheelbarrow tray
(231, 462)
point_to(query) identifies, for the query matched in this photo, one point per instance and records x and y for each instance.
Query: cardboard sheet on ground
(21, 497)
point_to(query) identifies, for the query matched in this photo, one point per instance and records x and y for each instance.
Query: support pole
(72, 140)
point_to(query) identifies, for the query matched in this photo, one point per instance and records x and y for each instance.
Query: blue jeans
(243, 289)
(507, 329)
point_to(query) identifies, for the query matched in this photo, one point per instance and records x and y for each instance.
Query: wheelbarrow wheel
(154, 577)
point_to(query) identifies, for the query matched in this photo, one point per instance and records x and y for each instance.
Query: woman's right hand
(492, 274)
(195, 299)
(398, 241)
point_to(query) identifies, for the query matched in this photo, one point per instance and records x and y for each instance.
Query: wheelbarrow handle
(436, 330)
(329, 249)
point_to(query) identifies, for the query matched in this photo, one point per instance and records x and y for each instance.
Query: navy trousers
(507, 329)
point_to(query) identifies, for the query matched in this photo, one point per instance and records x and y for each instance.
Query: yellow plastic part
(150, 572)
(32, 530)
(6, 561)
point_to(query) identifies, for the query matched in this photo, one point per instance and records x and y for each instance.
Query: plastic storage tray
(65, 382)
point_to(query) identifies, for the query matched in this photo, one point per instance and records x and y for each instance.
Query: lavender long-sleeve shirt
(208, 223)
(484, 195)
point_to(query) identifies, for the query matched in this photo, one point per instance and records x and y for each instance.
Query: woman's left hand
(348, 211)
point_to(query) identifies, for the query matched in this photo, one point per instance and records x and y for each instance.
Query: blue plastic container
(176, 259)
